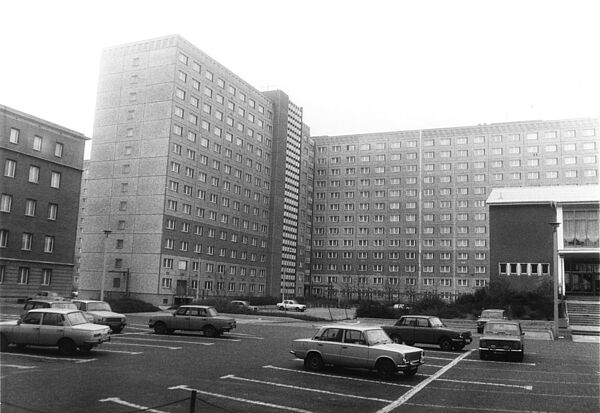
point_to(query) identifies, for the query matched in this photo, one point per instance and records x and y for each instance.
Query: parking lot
(251, 370)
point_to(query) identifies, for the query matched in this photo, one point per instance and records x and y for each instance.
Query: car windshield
(377, 336)
(491, 314)
(212, 312)
(64, 305)
(76, 318)
(501, 328)
(436, 322)
(98, 306)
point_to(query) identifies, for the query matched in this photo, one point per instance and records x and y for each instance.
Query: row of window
(31, 207)
(212, 250)
(209, 267)
(524, 269)
(394, 281)
(10, 171)
(171, 224)
(395, 255)
(478, 203)
(411, 243)
(483, 177)
(460, 269)
(462, 153)
(37, 143)
(210, 285)
(27, 241)
(463, 140)
(463, 216)
(24, 276)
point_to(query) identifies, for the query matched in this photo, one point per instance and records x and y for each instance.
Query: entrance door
(181, 288)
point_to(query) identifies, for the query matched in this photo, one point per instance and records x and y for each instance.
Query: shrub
(131, 305)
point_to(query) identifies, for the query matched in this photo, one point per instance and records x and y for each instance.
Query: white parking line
(49, 358)
(154, 340)
(143, 345)
(406, 396)
(288, 386)
(119, 351)
(17, 366)
(238, 399)
(128, 404)
(483, 383)
(329, 376)
(501, 362)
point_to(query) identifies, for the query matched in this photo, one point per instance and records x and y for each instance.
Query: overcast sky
(354, 66)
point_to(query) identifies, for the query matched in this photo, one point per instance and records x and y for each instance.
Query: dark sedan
(428, 330)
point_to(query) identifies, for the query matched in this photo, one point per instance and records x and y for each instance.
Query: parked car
(487, 315)
(66, 328)
(359, 346)
(243, 306)
(102, 314)
(47, 295)
(192, 318)
(412, 329)
(45, 303)
(291, 305)
(502, 338)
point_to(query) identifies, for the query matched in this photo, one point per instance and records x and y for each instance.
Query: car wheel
(519, 357)
(116, 330)
(410, 372)
(446, 344)
(66, 347)
(409, 343)
(21, 346)
(210, 331)
(3, 343)
(396, 338)
(313, 361)
(160, 328)
(385, 369)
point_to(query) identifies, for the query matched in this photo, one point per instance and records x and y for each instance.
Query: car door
(52, 329)
(181, 320)
(329, 344)
(407, 329)
(28, 331)
(197, 318)
(354, 351)
(423, 331)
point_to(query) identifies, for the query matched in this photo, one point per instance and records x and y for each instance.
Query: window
(34, 174)
(37, 143)
(55, 179)
(23, 275)
(14, 135)
(26, 241)
(52, 211)
(3, 238)
(30, 207)
(49, 244)
(10, 168)
(5, 203)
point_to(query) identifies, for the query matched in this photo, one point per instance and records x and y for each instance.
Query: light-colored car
(290, 305)
(504, 338)
(192, 318)
(360, 346)
(243, 306)
(47, 295)
(45, 303)
(102, 313)
(66, 328)
(487, 315)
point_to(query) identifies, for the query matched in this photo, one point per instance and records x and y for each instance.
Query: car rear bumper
(500, 350)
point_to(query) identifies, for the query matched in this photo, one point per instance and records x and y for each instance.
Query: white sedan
(64, 328)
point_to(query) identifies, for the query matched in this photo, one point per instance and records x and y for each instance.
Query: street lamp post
(555, 226)
(106, 234)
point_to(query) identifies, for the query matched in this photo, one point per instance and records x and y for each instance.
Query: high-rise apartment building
(189, 165)
(39, 201)
(403, 213)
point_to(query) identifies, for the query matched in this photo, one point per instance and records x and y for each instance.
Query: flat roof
(559, 194)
